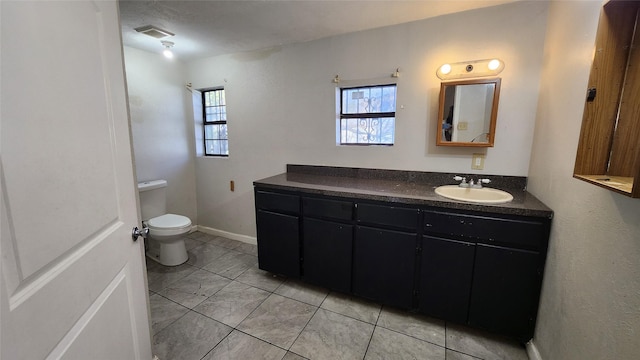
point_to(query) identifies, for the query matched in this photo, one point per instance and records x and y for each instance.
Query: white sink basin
(481, 196)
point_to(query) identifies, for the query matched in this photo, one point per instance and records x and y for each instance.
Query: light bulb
(494, 64)
(445, 69)
(167, 53)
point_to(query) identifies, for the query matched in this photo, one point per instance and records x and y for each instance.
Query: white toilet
(165, 243)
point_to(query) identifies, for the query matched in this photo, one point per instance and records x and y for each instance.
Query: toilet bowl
(166, 241)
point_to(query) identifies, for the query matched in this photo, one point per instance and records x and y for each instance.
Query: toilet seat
(169, 224)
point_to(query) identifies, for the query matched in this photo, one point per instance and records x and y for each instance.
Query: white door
(72, 279)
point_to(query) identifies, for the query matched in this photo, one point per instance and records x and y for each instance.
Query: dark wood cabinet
(469, 267)
(327, 253)
(327, 242)
(279, 243)
(445, 278)
(278, 228)
(384, 265)
(506, 288)
(489, 266)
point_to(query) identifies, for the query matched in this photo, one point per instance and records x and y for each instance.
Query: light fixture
(493, 64)
(167, 49)
(470, 69)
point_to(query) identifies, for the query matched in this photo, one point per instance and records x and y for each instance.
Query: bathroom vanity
(386, 236)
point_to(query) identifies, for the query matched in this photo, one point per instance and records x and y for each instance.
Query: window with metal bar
(368, 115)
(214, 108)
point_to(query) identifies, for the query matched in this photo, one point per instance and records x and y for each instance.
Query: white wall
(590, 306)
(162, 126)
(281, 102)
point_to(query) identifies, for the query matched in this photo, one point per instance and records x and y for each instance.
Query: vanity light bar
(470, 69)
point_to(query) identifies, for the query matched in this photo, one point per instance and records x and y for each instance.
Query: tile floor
(219, 305)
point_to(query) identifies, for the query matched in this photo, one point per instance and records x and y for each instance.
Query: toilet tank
(153, 198)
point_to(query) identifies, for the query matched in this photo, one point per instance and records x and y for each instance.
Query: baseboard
(532, 351)
(228, 235)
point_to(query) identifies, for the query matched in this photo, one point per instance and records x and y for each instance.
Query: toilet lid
(169, 221)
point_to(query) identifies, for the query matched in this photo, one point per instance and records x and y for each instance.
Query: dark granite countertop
(403, 187)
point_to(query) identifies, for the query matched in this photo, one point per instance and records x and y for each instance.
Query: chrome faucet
(478, 185)
(471, 183)
(464, 183)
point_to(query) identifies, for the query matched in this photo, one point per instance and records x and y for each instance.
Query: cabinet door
(278, 243)
(384, 265)
(445, 278)
(506, 286)
(327, 253)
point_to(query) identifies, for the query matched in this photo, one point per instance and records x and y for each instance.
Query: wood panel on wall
(626, 146)
(608, 152)
(607, 76)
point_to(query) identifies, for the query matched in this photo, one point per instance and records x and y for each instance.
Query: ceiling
(208, 28)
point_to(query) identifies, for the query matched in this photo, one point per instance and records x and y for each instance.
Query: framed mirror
(467, 113)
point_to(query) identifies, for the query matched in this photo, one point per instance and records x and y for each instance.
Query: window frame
(375, 115)
(216, 122)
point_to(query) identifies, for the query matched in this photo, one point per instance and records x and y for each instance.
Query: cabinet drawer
(521, 233)
(277, 202)
(398, 217)
(324, 208)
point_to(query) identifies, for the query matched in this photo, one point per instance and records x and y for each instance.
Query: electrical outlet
(477, 162)
(463, 125)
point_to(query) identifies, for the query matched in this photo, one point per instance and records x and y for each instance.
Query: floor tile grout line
(349, 316)
(171, 323)
(304, 327)
(411, 336)
(219, 342)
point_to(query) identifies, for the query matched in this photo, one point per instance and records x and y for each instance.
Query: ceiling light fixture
(167, 49)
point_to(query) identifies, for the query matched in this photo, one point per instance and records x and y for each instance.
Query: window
(368, 115)
(214, 109)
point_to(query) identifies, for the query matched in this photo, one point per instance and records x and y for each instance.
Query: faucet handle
(458, 178)
(484, 181)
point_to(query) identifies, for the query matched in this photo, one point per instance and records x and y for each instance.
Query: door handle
(136, 233)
